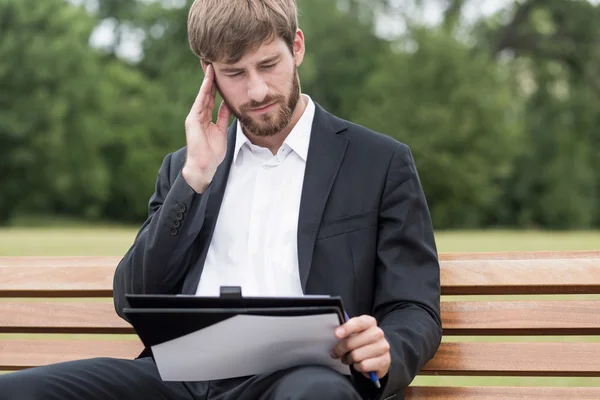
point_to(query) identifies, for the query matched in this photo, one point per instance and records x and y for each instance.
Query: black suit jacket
(364, 234)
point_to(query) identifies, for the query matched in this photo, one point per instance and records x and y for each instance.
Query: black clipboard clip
(231, 292)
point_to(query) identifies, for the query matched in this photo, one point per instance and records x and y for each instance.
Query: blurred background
(499, 101)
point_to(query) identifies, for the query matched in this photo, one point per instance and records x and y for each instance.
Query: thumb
(223, 116)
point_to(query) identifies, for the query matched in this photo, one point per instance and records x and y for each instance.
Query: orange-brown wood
(21, 354)
(567, 317)
(570, 317)
(521, 255)
(486, 359)
(59, 317)
(553, 276)
(512, 359)
(502, 393)
(60, 261)
(461, 273)
(56, 281)
(112, 261)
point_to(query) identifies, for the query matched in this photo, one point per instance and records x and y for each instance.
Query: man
(289, 200)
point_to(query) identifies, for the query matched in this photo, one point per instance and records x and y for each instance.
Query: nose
(257, 88)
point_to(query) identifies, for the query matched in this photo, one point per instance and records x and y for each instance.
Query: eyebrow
(267, 60)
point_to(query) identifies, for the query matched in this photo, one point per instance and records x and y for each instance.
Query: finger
(353, 342)
(377, 364)
(209, 86)
(371, 350)
(211, 89)
(223, 117)
(371, 335)
(355, 325)
(200, 103)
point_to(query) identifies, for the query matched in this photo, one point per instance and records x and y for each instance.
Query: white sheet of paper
(248, 345)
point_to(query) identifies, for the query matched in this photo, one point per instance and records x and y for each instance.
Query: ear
(204, 64)
(299, 47)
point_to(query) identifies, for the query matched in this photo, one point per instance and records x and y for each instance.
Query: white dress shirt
(254, 244)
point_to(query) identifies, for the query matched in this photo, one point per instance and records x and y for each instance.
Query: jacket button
(173, 231)
(182, 208)
(179, 216)
(176, 224)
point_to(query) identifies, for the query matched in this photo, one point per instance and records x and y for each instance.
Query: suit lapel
(325, 154)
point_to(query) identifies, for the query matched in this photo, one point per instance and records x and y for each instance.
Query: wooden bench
(30, 313)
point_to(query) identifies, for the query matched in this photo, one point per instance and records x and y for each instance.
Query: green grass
(71, 238)
(66, 241)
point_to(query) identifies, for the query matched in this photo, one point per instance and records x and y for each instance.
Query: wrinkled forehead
(266, 52)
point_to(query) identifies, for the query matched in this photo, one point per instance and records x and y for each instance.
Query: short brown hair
(226, 30)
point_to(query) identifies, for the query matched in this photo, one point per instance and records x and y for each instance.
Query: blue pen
(372, 374)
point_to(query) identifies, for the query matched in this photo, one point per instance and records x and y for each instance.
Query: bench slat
(560, 276)
(61, 317)
(59, 261)
(568, 317)
(502, 393)
(520, 255)
(499, 359)
(461, 273)
(112, 261)
(56, 281)
(516, 359)
(458, 318)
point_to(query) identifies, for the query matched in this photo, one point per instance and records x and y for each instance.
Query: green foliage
(77, 130)
(341, 51)
(501, 116)
(556, 184)
(49, 109)
(455, 110)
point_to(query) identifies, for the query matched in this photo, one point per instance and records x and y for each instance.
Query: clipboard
(160, 318)
(230, 298)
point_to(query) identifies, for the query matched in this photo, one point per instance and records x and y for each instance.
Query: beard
(269, 124)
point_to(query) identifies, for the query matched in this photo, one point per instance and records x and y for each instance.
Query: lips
(264, 108)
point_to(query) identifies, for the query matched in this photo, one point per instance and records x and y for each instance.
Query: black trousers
(115, 379)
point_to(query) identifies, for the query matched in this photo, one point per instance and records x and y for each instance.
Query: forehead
(266, 50)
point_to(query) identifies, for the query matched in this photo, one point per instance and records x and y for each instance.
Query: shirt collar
(240, 140)
(298, 139)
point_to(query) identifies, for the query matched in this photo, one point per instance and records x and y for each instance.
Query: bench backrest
(72, 295)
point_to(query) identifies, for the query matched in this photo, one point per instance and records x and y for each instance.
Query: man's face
(262, 89)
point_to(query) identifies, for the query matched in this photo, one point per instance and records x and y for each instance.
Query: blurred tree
(557, 182)
(456, 112)
(76, 129)
(50, 110)
(500, 113)
(551, 47)
(342, 50)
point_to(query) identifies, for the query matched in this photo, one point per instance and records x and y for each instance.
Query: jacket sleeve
(161, 253)
(407, 293)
